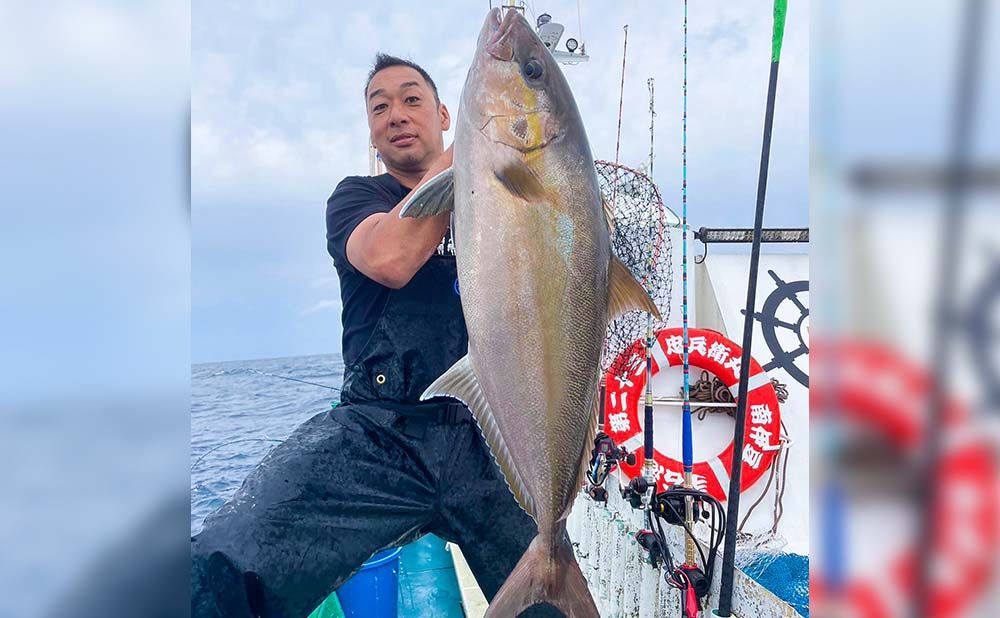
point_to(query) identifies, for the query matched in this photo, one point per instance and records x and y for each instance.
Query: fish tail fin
(545, 575)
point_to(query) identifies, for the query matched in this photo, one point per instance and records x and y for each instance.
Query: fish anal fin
(625, 293)
(460, 382)
(588, 445)
(434, 197)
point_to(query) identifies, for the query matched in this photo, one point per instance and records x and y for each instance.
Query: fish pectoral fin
(522, 181)
(434, 197)
(460, 382)
(625, 293)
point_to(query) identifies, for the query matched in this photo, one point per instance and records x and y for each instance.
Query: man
(383, 468)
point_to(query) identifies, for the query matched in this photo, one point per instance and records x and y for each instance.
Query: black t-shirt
(355, 199)
(363, 299)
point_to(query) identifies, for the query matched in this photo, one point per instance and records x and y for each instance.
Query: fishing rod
(729, 551)
(650, 467)
(274, 375)
(682, 506)
(677, 505)
(606, 455)
(198, 461)
(240, 440)
(687, 437)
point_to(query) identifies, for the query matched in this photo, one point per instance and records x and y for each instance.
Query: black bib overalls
(378, 471)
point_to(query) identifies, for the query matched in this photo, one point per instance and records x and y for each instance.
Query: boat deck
(428, 584)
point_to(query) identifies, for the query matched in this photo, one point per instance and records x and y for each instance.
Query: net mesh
(641, 240)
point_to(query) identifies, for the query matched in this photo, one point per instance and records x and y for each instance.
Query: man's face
(405, 120)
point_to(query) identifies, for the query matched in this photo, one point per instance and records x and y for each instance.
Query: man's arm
(391, 250)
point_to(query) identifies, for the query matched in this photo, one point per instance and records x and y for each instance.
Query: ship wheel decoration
(784, 311)
(982, 328)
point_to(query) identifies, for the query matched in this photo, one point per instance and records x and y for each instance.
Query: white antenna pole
(375, 167)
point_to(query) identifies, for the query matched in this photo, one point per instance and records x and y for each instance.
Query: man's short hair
(384, 61)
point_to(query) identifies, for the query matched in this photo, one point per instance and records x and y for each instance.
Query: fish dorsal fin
(518, 177)
(434, 197)
(460, 382)
(625, 293)
(609, 214)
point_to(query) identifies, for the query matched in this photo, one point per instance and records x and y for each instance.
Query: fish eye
(532, 69)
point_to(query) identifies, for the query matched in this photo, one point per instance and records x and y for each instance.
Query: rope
(779, 495)
(711, 389)
(781, 461)
(770, 478)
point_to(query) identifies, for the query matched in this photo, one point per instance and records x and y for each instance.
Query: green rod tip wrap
(780, 8)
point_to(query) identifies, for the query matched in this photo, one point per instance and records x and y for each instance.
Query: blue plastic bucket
(373, 591)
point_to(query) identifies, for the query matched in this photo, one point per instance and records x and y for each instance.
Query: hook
(701, 260)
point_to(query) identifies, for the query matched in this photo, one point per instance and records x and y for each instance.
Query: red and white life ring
(710, 351)
(878, 389)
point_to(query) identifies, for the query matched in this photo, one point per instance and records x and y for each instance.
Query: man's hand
(391, 250)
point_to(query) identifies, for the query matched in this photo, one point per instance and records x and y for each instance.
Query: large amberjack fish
(539, 284)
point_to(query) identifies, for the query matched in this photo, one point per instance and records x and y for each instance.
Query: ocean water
(786, 575)
(238, 414)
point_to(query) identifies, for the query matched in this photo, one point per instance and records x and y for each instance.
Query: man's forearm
(409, 242)
(391, 250)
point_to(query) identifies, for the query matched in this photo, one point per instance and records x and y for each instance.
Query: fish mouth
(493, 20)
(501, 42)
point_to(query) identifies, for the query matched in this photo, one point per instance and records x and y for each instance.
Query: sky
(278, 120)
(94, 117)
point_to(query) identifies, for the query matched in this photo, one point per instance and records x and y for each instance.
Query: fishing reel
(671, 505)
(603, 459)
(690, 576)
(693, 585)
(649, 541)
(635, 492)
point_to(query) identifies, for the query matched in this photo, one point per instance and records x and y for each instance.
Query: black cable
(687, 531)
(717, 525)
(659, 538)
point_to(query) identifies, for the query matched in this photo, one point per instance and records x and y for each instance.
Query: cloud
(323, 305)
(231, 162)
(325, 282)
(95, 56)
(278, 119)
